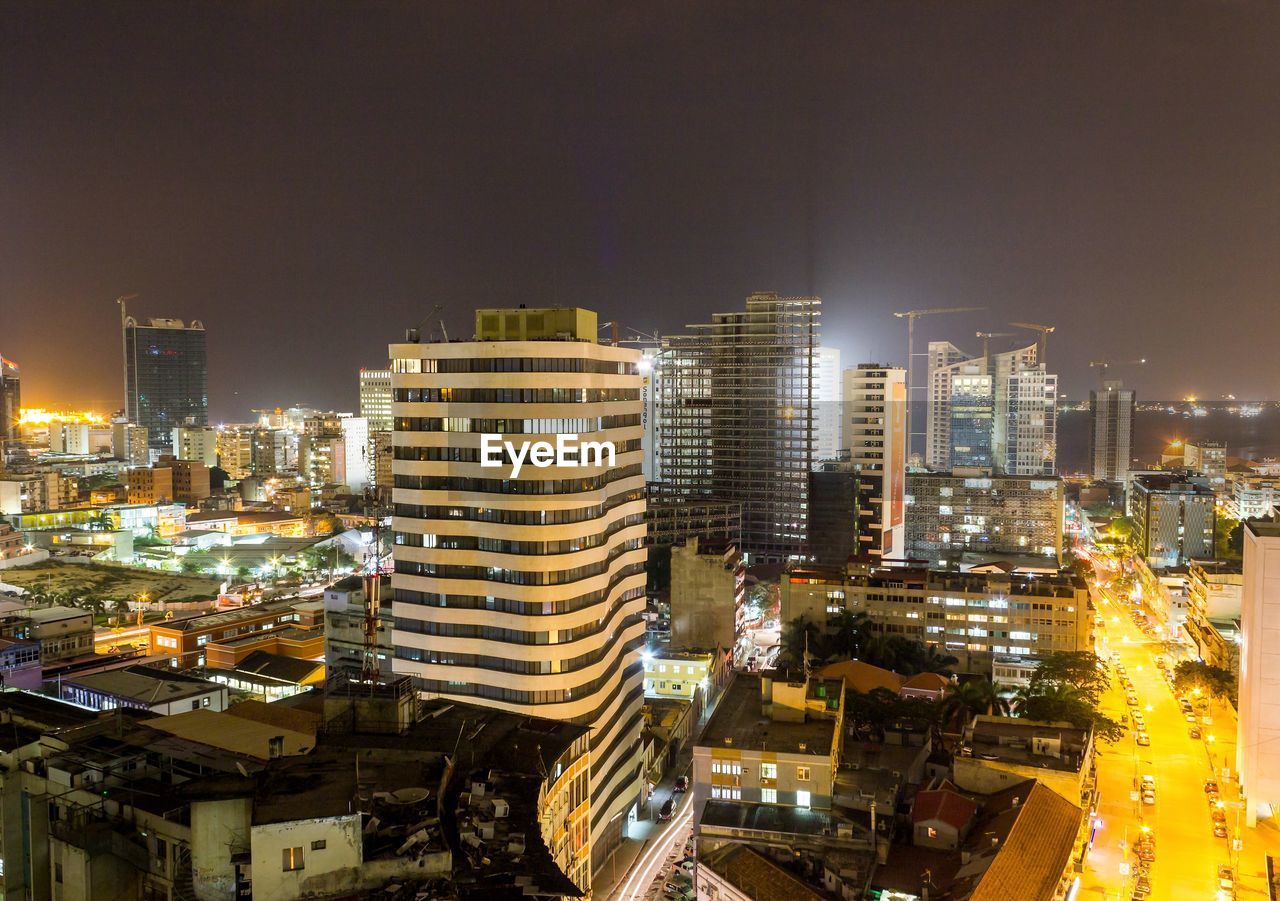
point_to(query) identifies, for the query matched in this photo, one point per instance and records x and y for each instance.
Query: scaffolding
(737, 416)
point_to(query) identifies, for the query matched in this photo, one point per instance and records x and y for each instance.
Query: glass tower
(166, 376)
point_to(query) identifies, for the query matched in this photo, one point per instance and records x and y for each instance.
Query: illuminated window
(802, 773)
(768, 771)
(769, 795)
(292, 859)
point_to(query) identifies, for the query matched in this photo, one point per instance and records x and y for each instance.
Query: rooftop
(1053, 746)
(201, 622)
(54, 614)
(232, 733)
(144, 684)
(261, 666)
(756, 875)
(739, 722)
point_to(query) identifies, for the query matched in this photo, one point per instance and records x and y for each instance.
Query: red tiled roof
(953, 809)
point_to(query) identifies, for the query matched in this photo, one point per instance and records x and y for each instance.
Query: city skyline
(874, 156)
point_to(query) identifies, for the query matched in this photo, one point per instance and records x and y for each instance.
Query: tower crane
(1042, 341)
(911, 316)
(986, 340)
(1103, 365)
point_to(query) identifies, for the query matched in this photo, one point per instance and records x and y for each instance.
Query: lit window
(292, 859)
(802, 773)
(768, 771)
(802, 799)
(769, 795)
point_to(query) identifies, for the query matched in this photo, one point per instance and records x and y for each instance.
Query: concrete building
(1254, 497)
(875, 436)
(828, 398)
(63, 632)
(524, 590)
(196, 443)
(355, 445)
(1111, 435)
(1207, 459)
(1173, 518)
(165, 375)
(148, 485)
(10, 399)
(1028, 442)
(1258, 726)
(234, 447)
(737, 419)
(1000, 752)
(1215, 599)
(69, 438)
(708, 586)
(190, 481)
(972, 510)
(156, 690)
(182, 641)
(129, 443)
(973, 415)
(375, 399)
(344, 627)
(972, 616)
(945, 359)
(673, 516)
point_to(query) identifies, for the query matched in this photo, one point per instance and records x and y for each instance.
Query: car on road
(1194, 731)
(1143, 739)
(682, 784)
(1218, 815)
(1219, 830)
(1148, 797)
(668, 808)
(685, 866)
(1213, 798)
(1211, 785)
(1148, 781)
(1189, 717)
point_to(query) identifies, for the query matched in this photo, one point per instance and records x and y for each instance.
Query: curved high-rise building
(522, 588)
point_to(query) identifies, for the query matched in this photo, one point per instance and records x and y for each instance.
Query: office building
(524, 590)
(737, 417)
(874, 433)
(828, 393)
(1258, 726)
(197, 443)
(973, 616)
(949, 513)
(10, 399)
(129, 443)
(165, 375)
(375, 398)
(708, 587)
(1173, 518)
(1111, 437)
(1027, 443)
(973, 414)
(650, 374)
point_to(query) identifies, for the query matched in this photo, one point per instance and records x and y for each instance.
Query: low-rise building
(63, 632)
(1254, 497)
(269, 677)
(238, 523)
(182, 641)
(345, 614)
(157, 690)
(999, 752)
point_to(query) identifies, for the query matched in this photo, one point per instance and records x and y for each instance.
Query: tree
(1228, 539)
(1081, 670)
(796, 635)
(848, 633)
(1060, 702)
(1216, 681)
(965, 700)
(1121, 528)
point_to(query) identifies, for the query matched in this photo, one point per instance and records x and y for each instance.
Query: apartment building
(972, 616)
(972, 510)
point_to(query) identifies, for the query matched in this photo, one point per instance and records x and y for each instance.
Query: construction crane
(1042, 341)
(986, 340)
(911, 316)
(1103, 365)
(413, 335)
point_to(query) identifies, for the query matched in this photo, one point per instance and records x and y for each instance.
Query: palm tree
(849, 633)
(798, 636)
(965, 700)
(1052, 702)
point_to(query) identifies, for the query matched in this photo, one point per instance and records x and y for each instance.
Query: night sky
(311, 178)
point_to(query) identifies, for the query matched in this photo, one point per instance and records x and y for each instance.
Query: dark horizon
(310, 179)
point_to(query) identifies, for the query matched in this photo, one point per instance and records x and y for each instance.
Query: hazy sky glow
(309, 178)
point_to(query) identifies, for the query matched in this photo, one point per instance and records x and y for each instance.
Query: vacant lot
(80, 582)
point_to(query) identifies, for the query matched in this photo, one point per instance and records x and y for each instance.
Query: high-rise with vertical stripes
(525, 591)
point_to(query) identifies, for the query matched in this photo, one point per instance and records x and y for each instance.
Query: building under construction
(737, 419)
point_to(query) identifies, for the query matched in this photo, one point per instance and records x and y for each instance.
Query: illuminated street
(1187, 852)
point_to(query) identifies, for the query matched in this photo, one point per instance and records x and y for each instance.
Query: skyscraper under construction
(737, 416)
